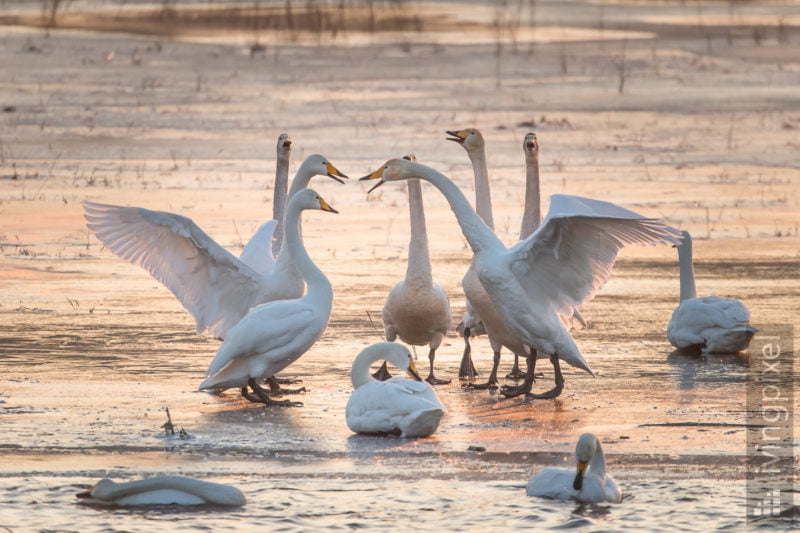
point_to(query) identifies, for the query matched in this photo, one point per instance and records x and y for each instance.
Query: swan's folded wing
(257, 253)
(212, 284)
(570, 257)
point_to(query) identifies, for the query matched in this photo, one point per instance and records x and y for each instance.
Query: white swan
(273, 335)
(710, 324)
(261, 250)
(536, 285)
(417, 310)
(212, 284)
(397, 406)
(163, 490)
(588, 483)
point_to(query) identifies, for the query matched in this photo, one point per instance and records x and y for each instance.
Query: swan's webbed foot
(492, 383)
(286, 381)
(383, 373)
(516, 372)
(249, 396)
(275, 387)
(525, 388)
(264, 398)
(467, 370)
(433, 380)
(555, 392)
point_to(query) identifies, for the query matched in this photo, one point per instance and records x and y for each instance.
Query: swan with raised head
(163, 490)
(273, 335)
(397, 406)
(537, 284)
(417, 310)
(588, 483)
(710, 324)
(212, 284)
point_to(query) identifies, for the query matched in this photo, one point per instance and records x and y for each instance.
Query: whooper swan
(163, 490)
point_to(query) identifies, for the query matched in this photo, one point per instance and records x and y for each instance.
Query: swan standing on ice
(710, 324)
(212, 284)
(417, 309)
(275, 334)
(588, 483)
(163, 490)
(536, 285)
(397, 406)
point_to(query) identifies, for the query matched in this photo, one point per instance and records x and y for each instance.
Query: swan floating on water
(537, 284)
(588, 483)
(212, 284)
(275, 334)
(397, 406)
(710, 324)
(417, 310)
(163, 490)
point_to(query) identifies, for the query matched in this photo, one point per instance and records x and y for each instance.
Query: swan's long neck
(419, 261)
(301, 180)
(597, 464)
(483, 194)
(531, 217)
(359, 374)
(318, 284)
(279, 198)
(688, 289)
(475, 230)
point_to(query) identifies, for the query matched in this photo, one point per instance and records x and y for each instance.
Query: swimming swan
(212, 284)
(163, 490)
(536, 285)
(710, 324)
(588, 483)
(398, 406)
(275, 334)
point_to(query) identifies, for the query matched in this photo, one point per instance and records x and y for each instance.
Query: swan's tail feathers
(422, 423)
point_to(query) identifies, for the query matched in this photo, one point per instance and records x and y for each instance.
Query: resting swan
(588, 483)
(536, 285)
(710, 324)
(417, 310)
(163, 490)
(397, 406)
(275, 334)
(214, 286)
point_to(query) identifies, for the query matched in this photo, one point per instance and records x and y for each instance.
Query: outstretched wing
(570, 257)
(257, 253)
(214, 286)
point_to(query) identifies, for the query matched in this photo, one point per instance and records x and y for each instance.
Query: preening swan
(536, 285)
(273, 335)
(163, 490)
(214, 286)
(588, 483)
(710, 324)
(417, 309)
(397, 406)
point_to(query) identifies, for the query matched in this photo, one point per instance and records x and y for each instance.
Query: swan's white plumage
(711, 324)
(397, 405)
(536, 284)
(596, 485)
(212, 284)
(273, 335)
(164, 490)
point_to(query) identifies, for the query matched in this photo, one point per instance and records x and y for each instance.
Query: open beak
(334, 173)
(579, 473)
(377, 175)
(287, 143)
(412, 369)
(457, 136)
(325, 206)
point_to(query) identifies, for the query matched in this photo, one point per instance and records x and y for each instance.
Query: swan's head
(100, 490)
(530, 144)
(584, 451)
(284, 144)
(393, 170)
(470, 138)
(320, 166)
(396, 354)
(309, 199)
(686, 242)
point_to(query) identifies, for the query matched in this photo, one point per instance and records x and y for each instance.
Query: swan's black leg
(516, 372)
(555, 392)
(250, 397)
(383, 373)
(525, 388)
(275, 387)
(431, 378)
(492, 382)
(467, 370)
(266, 400)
